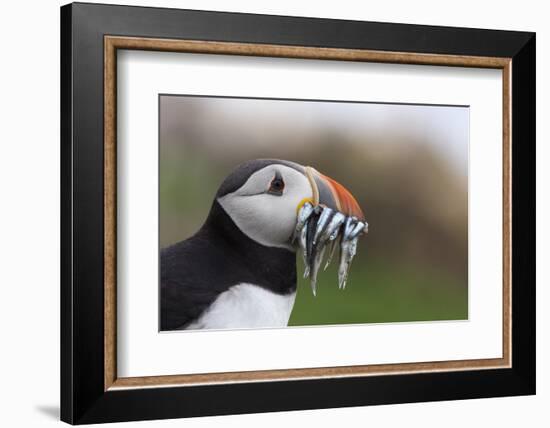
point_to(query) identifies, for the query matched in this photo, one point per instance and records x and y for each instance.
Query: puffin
(239, 269)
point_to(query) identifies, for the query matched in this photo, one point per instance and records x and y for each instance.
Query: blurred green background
(407, 165)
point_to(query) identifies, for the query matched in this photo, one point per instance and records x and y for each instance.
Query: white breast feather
(246, 306)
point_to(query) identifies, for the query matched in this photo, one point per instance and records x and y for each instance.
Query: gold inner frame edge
(113, 43)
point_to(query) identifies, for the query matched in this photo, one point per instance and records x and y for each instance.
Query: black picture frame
(83, 396)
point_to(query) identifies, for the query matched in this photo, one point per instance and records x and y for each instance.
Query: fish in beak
(330, 219)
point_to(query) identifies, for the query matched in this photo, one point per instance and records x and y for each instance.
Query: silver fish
(334, 234)
(331, 230)
(311, 228)
(303, 215)
(357, 230)
(348, 248)
(321, 223)
(332, 251)
(331, 233)
(348, 227)
(319, 227)
(315, 269)
(303, 246)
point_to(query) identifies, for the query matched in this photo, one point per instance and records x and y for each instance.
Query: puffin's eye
(277, 185)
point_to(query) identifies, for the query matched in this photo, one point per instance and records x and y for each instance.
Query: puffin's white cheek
(275, 220)
(284, 221)
(268, 220)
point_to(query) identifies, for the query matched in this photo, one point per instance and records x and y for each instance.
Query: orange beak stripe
(347, 204)
(339, 195)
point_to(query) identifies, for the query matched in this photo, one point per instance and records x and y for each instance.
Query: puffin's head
(263, 198)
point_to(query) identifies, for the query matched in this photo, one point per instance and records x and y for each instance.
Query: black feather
(195, 271)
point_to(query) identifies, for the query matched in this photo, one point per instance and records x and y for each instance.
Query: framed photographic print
(265, 213)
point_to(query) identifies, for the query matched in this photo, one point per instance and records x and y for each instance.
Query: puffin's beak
(328, 192)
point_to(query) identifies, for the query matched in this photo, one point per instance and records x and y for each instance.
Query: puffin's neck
(270, 267)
